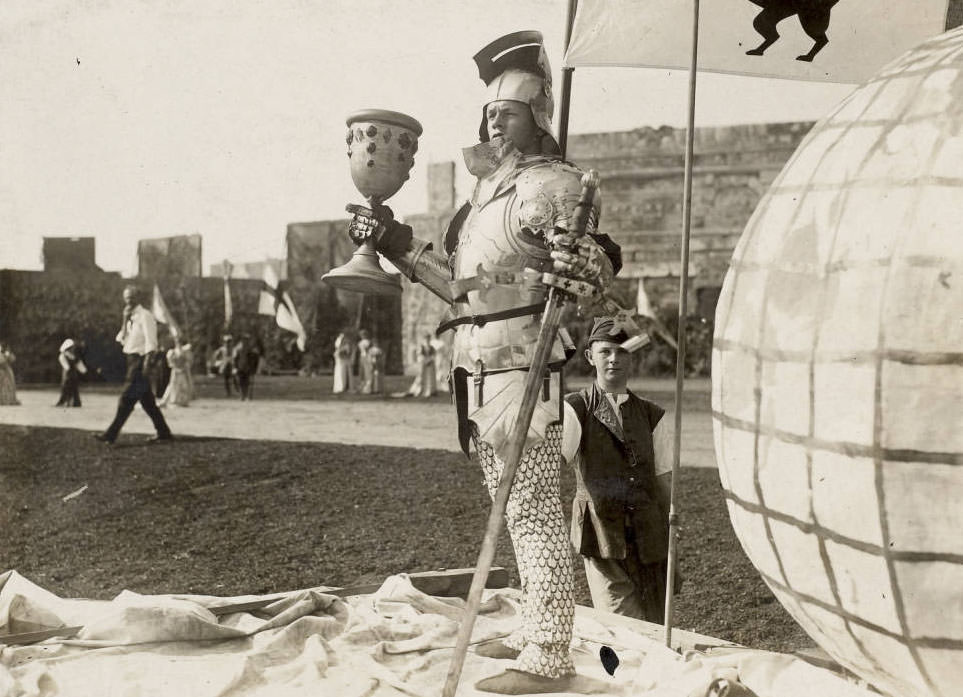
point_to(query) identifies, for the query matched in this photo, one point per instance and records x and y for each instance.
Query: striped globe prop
(837, 379)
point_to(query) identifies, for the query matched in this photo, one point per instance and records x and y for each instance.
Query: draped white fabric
(863, 35)
(397, 641)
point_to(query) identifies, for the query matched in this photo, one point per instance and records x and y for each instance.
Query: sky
(133, 119)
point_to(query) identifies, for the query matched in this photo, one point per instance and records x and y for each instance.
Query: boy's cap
(604, 329)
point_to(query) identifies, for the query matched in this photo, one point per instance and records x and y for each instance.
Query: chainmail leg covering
(537, 529)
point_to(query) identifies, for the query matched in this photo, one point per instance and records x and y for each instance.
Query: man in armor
(514, 229)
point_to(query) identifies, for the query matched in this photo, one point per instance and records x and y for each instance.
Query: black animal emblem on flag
(813, 16)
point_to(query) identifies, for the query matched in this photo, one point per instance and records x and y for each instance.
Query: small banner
(274, 301)
(161, 313)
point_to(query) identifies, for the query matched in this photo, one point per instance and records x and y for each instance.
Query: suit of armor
(496, 252)
(501, 249)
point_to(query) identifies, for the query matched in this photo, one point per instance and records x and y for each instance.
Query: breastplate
(492, 239)
(504, 233)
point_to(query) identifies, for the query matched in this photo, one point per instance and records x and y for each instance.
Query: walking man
(245, 360)
(138, 336)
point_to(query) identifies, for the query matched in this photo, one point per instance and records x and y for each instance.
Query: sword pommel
(583, 209)
(590, 180)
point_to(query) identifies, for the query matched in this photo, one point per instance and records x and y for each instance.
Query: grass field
(228, 517)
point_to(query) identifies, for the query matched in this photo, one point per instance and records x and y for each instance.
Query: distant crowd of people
(165, 368)
(359, 365)
(370, 360)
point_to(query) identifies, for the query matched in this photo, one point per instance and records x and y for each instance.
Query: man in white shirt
(138, 336)
(621, 449)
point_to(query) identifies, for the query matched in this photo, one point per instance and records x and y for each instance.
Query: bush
(660, 357)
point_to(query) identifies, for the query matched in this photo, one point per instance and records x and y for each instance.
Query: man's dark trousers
(136, 389)
(244, 383)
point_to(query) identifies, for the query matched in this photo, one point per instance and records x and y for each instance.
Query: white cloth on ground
(396, 641)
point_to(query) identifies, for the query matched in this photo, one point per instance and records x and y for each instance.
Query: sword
(512, 451)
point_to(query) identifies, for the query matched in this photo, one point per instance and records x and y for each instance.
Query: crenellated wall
(642, 188)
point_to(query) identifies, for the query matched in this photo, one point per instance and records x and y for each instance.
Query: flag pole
(228, 305)
(565, 97)
(683, 311)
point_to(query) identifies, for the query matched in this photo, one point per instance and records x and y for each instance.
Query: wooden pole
(683, 311)
(565, 97)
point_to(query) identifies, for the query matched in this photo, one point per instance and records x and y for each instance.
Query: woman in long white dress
(180, 389)
(8, 386)
(376, 357)
(343, 358)
(365, 369)
(425, 382)
(442, 364)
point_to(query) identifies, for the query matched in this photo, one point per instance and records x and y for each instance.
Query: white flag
(228, 305)
(161, 313)
(820, 40)
(277, 303)
(643, 307)
(266, 301)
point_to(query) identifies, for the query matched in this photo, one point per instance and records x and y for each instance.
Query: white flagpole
(228, 304)
(680, 353)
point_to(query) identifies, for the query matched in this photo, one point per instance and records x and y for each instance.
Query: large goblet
(381, 147)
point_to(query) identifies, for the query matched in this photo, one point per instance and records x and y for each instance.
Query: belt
(484, 281)
(482, 320)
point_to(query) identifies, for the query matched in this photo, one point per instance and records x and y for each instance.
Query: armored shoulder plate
(546, 196)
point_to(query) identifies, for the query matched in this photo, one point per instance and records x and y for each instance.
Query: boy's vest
(615, 479)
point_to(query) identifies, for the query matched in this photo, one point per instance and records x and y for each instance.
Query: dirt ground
(227, 516)
(304, 410)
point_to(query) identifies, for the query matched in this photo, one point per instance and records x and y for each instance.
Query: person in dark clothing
(72, 367)
(246, 359)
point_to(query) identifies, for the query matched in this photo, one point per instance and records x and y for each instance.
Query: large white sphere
(837, 379)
